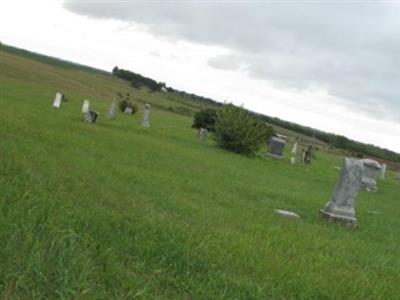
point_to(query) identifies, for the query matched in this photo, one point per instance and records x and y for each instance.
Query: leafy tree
(205, 119)
(238, 130)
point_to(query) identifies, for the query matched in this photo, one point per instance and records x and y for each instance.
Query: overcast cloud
(350, 49)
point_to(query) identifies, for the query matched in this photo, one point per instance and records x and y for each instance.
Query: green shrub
(123, 104)
(237, 130)
(205, 119)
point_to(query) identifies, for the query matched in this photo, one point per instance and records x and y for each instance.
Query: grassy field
(115, 211)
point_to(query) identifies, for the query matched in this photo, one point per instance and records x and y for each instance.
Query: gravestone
(202, 134)
(57, 100)
(85, 106)
(341, 206)
(146, 116)
(306, 155)
(372, 170)
(128, 110)
(276, 146)
(383, 171)
(90, 117)
(294, 149)
(111, 111)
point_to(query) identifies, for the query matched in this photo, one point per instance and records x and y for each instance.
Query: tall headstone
(383, 171)
(351, 177)
(111, 111)
(372, 170)
(90, 117)
(341, 206)
(57, 100)
(294, 151)
(276, 146)
(146, 116)
(85, 106)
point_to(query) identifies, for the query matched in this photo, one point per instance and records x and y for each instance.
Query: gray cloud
(352, 49)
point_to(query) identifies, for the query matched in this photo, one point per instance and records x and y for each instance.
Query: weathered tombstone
(383, 171)
(276, 146)
(90, 117)
(294, 149)
(57, 100)
(146, 116)
(202, 134)
(372, 169)
(341, 206)
(85, 106)
(111, 111)
(128, 110)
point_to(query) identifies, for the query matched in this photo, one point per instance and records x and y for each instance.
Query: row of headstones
(277, 145)
(91, 116)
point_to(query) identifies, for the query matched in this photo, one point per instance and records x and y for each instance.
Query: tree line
(338, 141)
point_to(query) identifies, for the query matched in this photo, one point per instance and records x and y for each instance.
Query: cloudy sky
(331, 65)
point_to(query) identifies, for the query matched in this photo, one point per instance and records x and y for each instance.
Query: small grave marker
(57, 100)
(85, 106)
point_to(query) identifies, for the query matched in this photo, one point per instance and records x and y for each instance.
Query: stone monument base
(274, 155)
(348, 221)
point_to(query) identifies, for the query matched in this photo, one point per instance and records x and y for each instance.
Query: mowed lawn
(116, 211)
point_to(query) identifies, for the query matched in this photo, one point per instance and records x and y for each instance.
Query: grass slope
(115, 211)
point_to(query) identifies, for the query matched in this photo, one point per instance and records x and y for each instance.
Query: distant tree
(205, 119)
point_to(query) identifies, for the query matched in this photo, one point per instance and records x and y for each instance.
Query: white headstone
(383, 171)
(371, 171)
(85, 106)
(292, 160)
(202, 134)
(111, 111)
(128, 110)
(146, 116)
(294, 149)
(57, 100)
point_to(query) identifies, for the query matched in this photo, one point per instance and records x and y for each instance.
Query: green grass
(115, 211)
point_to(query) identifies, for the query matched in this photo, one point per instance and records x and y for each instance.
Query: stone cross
(276, 146)
(146, 116)
(202, 134)
(111, 111)
(85, 106)
(341, 206)
(90, 117)
(57, 100)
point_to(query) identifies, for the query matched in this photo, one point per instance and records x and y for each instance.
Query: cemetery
(145, 206)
